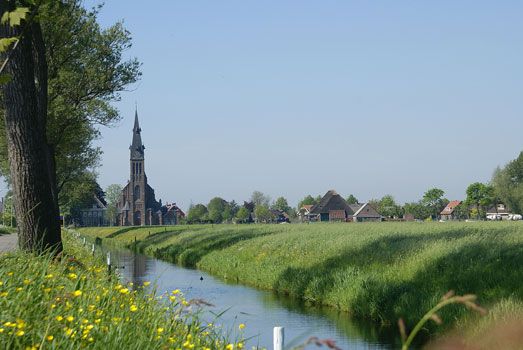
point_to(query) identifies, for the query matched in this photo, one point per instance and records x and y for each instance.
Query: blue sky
(298, 97)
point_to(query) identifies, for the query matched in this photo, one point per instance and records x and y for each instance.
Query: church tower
(138, 179)
(138, 205)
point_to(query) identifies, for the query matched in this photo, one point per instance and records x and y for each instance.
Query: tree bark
(25, 98)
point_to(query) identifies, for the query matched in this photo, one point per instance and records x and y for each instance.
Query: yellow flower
(1, 330)
(185, 303)
(19, 289)
(188, 345)
(176, 291)
(77, 293)
(49, 276)
(172, 298)
(97, 321)
(241, 326)
(90, 340)
(20, 333)
(89, 327)
(4, 294)
(240, 345)
(171, 340)
(189, 337)
(31, 348)
(70, 318)
(68, 331)
(9, 274)
(72, 276)
(53, 306)
(229, 347)
(159, 330)
(124, 291)
(47, 290)
(27, 281)
(117, 287)
(146, 283)
(59, 318)
(50, 338)
(133, 308)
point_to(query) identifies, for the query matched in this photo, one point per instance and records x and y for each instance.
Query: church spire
(137, 148)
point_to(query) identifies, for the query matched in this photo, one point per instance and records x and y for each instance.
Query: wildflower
(19, 289)
(89, 327)
(146, 283)
(133, 308)
(53, 306)
(97, 321)
(176, 291)
(47, 290)
(185, 303)
(68, 331)
(229, 347)
(70, 318)
(188, 345)
(72, 275)
(77, 293)
(31, 348)
(50, 338)
(49, 276)
(20, 324)
(171, 340)
(124, 291)
(1, 330)
(239, 345)
(90, 340)
(20, 333)
(241, 326)
(172, 298)
(189, 337)
(4, 294)
(160, 330)
(9, 274)
(27, 281)
(118, 287)
(59, 318)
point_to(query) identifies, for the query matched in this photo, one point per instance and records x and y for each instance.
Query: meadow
(72, 302)
(381, 271)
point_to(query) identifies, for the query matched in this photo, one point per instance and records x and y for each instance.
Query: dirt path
(8, 243)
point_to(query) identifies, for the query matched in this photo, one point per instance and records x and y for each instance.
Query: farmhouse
(332, 207)
(449, 212)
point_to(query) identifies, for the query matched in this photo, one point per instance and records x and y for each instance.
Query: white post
(92, 249)
(84, 240)
(109, 262)
(278, 338)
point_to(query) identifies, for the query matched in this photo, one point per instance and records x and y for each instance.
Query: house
(332, 207)
(498, 212)
(170, 214)
(280, 216)
(449, 212)
(304, 213)
(96, 214)
(366, 212)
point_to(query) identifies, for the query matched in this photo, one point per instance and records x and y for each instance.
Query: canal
(259, 310)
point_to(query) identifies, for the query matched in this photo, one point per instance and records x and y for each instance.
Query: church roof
(137, 148)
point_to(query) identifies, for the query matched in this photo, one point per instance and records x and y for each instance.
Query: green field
(381, 271)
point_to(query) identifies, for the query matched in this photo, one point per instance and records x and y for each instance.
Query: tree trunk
(25, 98)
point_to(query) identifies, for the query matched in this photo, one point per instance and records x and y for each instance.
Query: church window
(136, 192)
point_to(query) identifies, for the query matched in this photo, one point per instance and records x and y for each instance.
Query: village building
(332, 207)
(498, 212)
(96, 214)
(138, 205)
(449, 212)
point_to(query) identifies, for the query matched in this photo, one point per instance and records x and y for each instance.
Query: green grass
(382, 271)
(72, 304)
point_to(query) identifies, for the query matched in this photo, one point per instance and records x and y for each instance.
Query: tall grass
(73, 303)
(382, 271)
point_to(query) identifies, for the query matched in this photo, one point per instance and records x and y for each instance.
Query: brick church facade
(138, 205)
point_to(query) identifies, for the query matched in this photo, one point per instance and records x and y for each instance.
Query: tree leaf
(15, 17)
(6, 42)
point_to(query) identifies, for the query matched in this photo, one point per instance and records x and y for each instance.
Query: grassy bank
(378, 270)
(72, 303)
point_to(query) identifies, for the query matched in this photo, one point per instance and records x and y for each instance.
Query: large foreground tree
(25, 109)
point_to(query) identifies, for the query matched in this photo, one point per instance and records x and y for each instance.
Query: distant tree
(387, 207)
(263, 213)
(216, 208)
(351, 199)
(434, 201)
(461, 211)
(508, 184)
(480, 195)
(281, 204)
(416, 209)
(230, 210)
(112, 196)
(197, 214)
(249, 206)
(308, 200)
(242, 215)
(258, 198)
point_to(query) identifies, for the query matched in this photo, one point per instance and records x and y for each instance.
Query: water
(259, 310)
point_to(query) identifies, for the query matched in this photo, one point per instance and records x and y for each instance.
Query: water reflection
(259, 310)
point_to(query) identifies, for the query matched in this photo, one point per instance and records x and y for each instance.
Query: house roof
(449, 209)
(337, 214)
(331, 201)
(367, 211)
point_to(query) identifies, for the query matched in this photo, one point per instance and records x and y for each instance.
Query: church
(138, 205)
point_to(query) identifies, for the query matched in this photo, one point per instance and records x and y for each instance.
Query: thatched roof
(331, 201)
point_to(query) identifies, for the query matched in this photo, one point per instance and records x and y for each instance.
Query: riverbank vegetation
(72, 303)
(382, 271)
